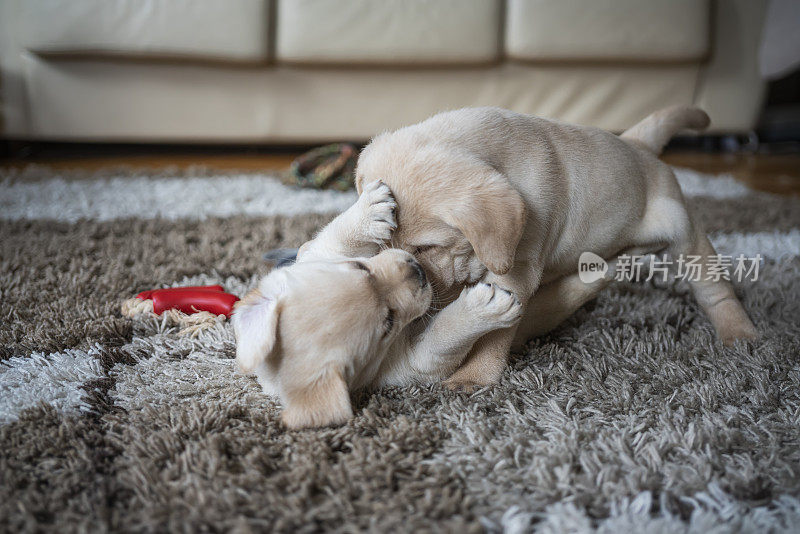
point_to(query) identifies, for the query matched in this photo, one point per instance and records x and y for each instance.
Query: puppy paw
(732, 323)
(475, 374)
(378, 209)
(491, 305)
(459, 385)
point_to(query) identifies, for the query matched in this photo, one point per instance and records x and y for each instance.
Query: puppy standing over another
(521, 196)
(333, 322)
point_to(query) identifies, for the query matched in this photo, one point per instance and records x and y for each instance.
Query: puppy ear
(491, 215)
(255, 322)
(325, 401)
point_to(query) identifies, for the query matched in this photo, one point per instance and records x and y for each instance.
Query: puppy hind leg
(715, 297)
(667, 219)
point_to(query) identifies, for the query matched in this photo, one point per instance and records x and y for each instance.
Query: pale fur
(314, 331)
(523, 196)
(475, 188)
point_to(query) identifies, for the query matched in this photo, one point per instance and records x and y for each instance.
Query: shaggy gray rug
(628, 418)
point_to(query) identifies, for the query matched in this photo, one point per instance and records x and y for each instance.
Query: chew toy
(149, 293)
(195, 308)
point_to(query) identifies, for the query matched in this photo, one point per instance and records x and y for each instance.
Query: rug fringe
(191, 325)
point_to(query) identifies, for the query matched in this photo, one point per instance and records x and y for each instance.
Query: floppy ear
(325, 401)
(255, 322)
(491, 215)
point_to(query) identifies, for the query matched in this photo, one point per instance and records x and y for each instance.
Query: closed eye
(388, 321)
(422, 248)
(359, 265)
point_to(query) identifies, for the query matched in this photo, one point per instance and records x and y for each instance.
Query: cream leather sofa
(315, 70)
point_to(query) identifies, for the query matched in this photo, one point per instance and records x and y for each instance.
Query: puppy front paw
(475, 374)
(493, 306)
(378, 209)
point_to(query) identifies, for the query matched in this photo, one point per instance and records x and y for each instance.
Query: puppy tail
(655, 130)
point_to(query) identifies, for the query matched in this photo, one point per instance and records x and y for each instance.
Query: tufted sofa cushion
(236, 30)
(388, 32)
(610, 30)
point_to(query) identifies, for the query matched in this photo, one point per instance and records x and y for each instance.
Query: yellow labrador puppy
(334, 322)
(492, 195)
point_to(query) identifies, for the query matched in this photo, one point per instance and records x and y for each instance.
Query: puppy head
(313, 330)
(456, 214)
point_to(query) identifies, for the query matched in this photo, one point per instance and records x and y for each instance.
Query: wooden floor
(776, 173)
(223, 162)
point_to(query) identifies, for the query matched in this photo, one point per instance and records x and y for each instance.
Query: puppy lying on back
(335, 322)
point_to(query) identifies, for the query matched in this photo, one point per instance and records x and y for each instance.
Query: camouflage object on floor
(327, 167)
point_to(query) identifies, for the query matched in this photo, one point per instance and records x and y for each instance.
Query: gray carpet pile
(627, 418)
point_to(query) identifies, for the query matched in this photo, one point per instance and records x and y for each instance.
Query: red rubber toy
(144, 295)
(191, 299)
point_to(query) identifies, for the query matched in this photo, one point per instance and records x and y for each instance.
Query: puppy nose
(418, 272)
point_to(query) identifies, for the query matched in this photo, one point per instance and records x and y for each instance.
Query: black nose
(418, 271)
